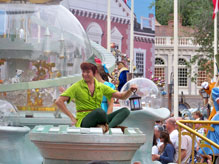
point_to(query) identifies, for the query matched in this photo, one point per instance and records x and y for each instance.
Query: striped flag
(215, 3)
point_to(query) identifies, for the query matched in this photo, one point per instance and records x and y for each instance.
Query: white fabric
(154, 150)
(216, 99)
(204, 85)
(159, 143)
(186, 144)
(175, 141)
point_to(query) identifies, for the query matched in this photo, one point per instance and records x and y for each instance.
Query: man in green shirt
(87, 95)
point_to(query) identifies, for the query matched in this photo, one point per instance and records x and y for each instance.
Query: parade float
(41, 48)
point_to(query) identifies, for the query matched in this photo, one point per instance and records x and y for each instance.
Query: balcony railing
(168, 41)
(192, 132)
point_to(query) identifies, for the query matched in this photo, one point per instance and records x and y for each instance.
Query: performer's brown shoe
(104, 127)
(122, 128)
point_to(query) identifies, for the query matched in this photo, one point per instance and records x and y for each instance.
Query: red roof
(167, 30)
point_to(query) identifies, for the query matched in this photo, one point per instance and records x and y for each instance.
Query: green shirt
(79, 92)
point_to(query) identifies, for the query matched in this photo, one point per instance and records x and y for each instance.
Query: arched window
(182, 73)
(94, 32)
(159, 61)
(116, 37)
(202, 74)
(159, 70)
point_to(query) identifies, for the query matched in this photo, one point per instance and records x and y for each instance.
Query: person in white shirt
(186, 146)
(173, 133)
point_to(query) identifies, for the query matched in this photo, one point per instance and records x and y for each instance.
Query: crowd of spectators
(165, 146)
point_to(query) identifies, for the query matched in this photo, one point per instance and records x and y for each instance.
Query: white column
(38, 29)
(193, 85)
(170, 66)
(176, 101)
(215, 45)
(132, 37)
(108, 25)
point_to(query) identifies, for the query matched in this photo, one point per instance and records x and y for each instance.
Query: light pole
(108, 24)
(131, 38)
(176, 96)
(170, 91)
(205, 97)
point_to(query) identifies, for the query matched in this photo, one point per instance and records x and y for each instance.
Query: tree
(163, 9)
(198, 15)
(203, 25)
(191, 11)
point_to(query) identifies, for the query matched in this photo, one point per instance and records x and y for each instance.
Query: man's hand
(61, 89)
(133, 88)
(125, 94)
(74, 121)
(156, 156)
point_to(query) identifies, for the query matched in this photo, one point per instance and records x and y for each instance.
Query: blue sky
(142, 8)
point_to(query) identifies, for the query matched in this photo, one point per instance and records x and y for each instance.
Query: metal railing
(193, 133)
(168, 41)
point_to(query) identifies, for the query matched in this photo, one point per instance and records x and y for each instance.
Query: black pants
(98, 116)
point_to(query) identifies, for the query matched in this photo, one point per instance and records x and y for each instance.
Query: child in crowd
(167, 151)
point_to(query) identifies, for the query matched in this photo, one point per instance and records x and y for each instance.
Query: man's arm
(183, 154)
(110, 106)
(60, 102)
(124, 95)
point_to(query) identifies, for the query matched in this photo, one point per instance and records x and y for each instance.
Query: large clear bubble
(6, 109)
(147, 90)
(39, 43)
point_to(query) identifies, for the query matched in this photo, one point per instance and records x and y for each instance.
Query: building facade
(164, 61)
(92, 14)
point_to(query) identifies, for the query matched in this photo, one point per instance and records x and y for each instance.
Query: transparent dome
(147, 90)
(6, 109)
(45, 41)
(39, 43)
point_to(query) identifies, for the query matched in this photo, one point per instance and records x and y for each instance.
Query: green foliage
(191, 11)
(198, 15)
(201, 21)
(163, 9)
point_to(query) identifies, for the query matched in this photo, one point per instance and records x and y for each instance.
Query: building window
(94, 32)
(140, 62)
(182, 73)
(116, 37)
(202, 73)
(202, 76)
(159, 68)
(159, 61)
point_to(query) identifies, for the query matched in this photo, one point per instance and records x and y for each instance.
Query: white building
(164, 61)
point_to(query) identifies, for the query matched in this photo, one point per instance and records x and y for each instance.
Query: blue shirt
(104, 104)
(122, 79)
(168, 154)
